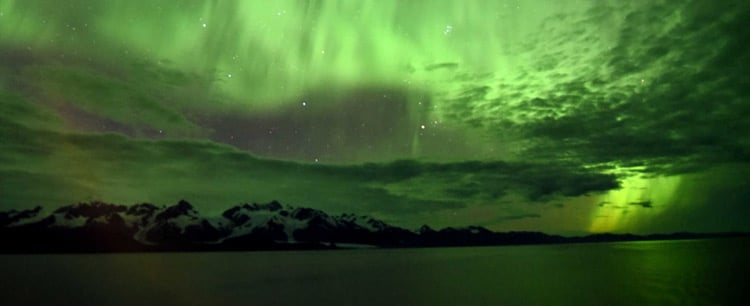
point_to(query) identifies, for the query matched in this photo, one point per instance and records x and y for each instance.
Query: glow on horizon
(638, 199)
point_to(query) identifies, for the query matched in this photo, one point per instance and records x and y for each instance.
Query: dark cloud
(448, 66)
(521, 216)
(668, 94)
(68, 167)
(475, 180)
(644, 204)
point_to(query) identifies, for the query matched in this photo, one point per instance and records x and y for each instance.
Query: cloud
(69, 167)
(644, 204)
(667, 97)
(516, 217)
(476, 181)
(87, 93)
(448, 66)
(21, 111)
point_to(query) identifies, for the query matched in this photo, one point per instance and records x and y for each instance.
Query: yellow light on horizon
(638, 199)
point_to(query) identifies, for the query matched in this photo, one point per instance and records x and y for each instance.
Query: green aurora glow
(560, 116)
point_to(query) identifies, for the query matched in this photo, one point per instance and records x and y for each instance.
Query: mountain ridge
(103, 227)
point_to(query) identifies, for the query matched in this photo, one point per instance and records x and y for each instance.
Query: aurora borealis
(559, 116)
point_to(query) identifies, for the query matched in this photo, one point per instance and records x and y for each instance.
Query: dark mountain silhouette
(14, 216)
(102, 227)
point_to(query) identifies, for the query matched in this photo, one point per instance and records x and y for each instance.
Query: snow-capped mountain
(274, 222)
(179, 225)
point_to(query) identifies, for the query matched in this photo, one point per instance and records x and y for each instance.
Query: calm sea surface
(693, 272)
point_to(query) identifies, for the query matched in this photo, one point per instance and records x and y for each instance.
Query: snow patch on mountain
(364, 222)
(63, 220)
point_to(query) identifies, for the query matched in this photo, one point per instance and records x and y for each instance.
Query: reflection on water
(633, 273)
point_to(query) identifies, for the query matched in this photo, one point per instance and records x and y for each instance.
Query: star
(448, 29)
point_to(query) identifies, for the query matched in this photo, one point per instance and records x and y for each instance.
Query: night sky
(559, 116)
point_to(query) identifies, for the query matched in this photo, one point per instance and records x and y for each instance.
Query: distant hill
(102, 227)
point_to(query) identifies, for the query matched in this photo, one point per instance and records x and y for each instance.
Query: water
(692, 272)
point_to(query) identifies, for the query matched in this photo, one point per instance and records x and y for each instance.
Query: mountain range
(103, 227)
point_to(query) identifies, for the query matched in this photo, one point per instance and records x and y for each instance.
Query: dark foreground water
(695, 272)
